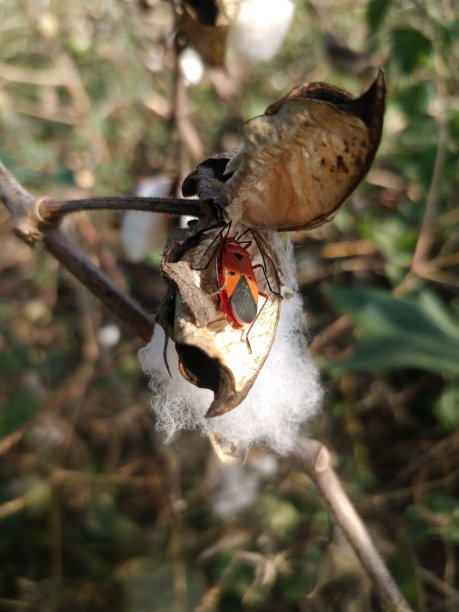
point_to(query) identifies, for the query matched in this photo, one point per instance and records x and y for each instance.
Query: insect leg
(253, 323)
(263, 266)
(209, 246)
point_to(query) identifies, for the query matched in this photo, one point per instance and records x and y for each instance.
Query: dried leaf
(204, 26)
(212, 353)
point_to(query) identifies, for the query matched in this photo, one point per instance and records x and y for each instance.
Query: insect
(238, 290)
(237, 286)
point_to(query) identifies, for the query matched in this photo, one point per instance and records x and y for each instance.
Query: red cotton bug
(238, 290)
(237, 285)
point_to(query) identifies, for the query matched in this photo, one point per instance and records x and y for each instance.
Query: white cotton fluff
(235, 484)
(191, 66)
(285, 394)
(260, 29)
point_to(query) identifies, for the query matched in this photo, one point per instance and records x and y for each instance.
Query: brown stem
(329, 333)
(426, 233)
(119, 302)
(51, 211)
(188, 136)
(18, 201)
(315, 461)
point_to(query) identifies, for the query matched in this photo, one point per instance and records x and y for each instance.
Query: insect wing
(239, 295)
(243, 304)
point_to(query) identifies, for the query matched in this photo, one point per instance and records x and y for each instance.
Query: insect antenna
(209, 246)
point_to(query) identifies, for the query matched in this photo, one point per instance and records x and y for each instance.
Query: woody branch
(37, 220)
(314, 459)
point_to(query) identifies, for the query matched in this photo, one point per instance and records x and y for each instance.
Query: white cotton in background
(235, 484)
(109, 335)
(191, 66)
(285, 395)
(142, 232)
(260, 29)
(235, 489)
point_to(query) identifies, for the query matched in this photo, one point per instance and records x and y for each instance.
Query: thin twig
(426, 233)
(315, 460)
(51, 211)
(189, 141)
(188, 136)
(329, 334)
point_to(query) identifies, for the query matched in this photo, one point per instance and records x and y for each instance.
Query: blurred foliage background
(96, 513)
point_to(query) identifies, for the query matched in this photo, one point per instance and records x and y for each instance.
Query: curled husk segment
(212, 353)
(299, 161)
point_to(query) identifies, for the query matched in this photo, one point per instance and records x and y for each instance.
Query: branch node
(322, 461)
(25, 229)
(42, 218)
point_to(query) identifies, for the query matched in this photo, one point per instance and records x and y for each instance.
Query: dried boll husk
(299, 161)
(212, 353)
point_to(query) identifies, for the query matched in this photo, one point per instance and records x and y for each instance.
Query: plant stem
(34, 220)
(314, 459)
(51, 211)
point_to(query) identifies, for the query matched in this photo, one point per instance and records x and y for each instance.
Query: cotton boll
(285, 394)
(260, 29)
(109, 335)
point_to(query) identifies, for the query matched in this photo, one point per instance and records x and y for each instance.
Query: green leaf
(398, 333)
(446, 409)
(21, 407)
(375, 14)
(410, 48)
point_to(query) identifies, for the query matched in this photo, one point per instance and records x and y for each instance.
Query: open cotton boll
(260, 29)
(285, 394)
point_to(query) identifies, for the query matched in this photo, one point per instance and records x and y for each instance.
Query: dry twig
(315, 460)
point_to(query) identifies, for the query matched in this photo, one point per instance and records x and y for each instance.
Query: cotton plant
(259, 29)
